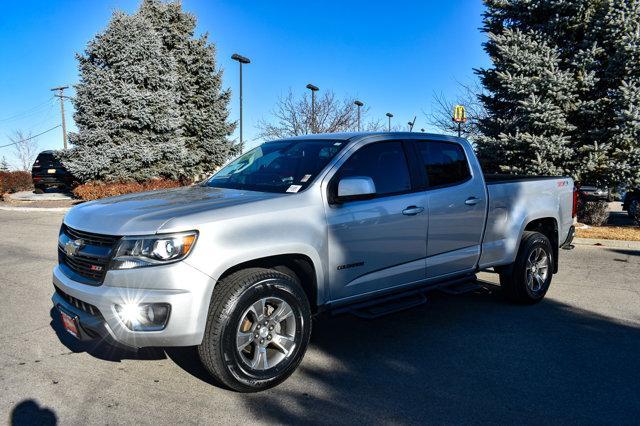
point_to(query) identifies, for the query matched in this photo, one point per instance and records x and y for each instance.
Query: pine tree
(594, 88)
(203, 104)
(526, 129)
(622, 40)
(4, 164)
(149, 104)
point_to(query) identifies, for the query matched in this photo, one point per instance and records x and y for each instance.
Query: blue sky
(391, 55)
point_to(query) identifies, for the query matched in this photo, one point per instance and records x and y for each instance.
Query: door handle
(471, 201)
(412, 210)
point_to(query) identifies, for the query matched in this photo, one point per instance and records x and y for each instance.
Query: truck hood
(145, 212)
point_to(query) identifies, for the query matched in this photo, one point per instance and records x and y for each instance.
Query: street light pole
(313, 89)
(61, 95)
(411, 124)
(389, 115)
(241, 60)
(358, 104)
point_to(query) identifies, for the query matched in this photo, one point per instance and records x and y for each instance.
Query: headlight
(137, 252)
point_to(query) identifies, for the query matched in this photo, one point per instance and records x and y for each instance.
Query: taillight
(574, 211)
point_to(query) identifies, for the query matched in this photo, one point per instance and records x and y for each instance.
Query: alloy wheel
(266, 333)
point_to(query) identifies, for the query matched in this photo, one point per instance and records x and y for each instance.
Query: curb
(35, 209)
(594, 242)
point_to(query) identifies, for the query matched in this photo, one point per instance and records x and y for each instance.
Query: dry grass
(627, 233)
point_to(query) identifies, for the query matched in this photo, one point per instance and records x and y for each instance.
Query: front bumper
(185, 288)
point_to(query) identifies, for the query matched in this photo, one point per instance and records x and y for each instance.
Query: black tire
(38, 190)
(514, 278)
(231, 298)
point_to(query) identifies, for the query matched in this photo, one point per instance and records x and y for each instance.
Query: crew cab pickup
(239, 264)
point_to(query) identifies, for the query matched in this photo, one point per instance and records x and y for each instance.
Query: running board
(406, 299)
(388, 305)
(464, 287)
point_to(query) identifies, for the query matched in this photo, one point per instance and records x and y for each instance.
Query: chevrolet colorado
(240, 263)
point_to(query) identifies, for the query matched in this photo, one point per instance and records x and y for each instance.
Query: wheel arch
(548, 226)
(298, 265)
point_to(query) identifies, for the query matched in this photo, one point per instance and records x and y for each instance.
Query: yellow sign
(459, 114)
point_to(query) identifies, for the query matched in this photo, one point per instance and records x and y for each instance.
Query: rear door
(457, 207)
(378, 243)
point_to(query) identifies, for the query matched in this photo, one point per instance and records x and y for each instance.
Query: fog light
(144, 316)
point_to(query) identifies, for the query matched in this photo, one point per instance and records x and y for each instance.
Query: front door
(379, 243)
(457, 208)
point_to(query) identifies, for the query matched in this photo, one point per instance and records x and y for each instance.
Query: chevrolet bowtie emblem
(72, 247)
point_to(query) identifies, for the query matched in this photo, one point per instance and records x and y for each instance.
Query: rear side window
(47, 160)
(383, 162)
(445, 163)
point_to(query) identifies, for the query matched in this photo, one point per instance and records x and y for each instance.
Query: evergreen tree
(588, 115)
(526, 130)
(4, 165)
(622, 42)
(149, 103)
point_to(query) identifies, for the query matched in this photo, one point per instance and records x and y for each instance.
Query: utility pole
(313, 89)
(62, 97)
(241, 60)
(389, 115)
(358, 104)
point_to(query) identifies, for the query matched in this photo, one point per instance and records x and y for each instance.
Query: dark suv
(48, 172)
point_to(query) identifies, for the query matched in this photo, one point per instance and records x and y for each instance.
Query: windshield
(279, 166)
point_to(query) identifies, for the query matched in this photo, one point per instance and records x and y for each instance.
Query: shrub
(15, 181)
(593, 212)
(95, 189)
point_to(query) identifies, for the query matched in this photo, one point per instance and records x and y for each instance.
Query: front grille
(84, 306)
(90, 262)
(90, 238)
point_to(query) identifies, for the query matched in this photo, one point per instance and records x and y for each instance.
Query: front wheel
(257, 331)
(528, 279)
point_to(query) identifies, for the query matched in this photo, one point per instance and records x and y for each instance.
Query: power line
(30, 137)
(27, 112)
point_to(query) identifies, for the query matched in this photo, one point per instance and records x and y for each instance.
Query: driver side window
(384, 162)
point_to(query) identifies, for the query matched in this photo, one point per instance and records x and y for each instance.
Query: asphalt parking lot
(574, 358)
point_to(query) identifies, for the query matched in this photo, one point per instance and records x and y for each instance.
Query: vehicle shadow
(464, 359)
(459, 359)
(101, 349)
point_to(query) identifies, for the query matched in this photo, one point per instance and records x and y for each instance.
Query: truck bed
(515, 201)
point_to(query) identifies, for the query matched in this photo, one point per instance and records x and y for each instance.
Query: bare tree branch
(292, 116)
(441, 113)
(25, 149)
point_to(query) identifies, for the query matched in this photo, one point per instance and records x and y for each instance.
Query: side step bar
(388, 305)
(396, 302)
(462, 288)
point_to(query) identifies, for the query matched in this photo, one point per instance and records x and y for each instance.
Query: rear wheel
(39, 190)
(528, 279)
(257, 330)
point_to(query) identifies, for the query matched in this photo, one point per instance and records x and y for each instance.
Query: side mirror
(356, 188)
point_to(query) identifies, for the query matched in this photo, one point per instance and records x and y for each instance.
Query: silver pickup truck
(239, 264)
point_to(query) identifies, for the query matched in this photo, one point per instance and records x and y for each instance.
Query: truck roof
(395, 135)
